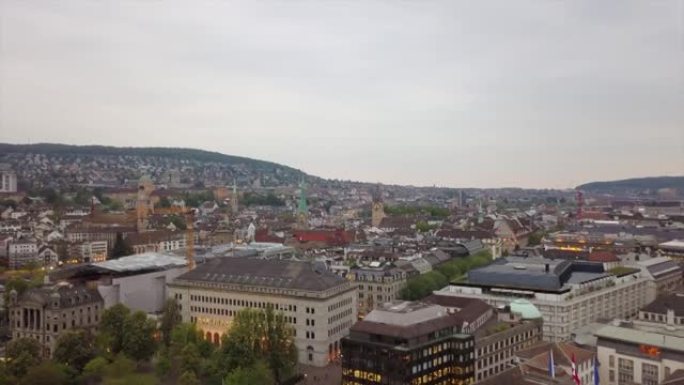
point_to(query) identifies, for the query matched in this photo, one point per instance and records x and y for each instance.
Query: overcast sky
(452, 93)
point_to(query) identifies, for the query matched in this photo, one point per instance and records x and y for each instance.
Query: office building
(569, 294)
(408, 343)
(320, 305)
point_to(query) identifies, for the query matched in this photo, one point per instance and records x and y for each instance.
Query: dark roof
(270, 273)
(69, 295)
(673, 301)
(406, 332)
(469, 309)
(675, 378)
(529, 273)
(664, 268)
(396, 223)
(465, 234)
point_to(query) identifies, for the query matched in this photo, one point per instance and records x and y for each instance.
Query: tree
(22, 354)
(138, 339)
(259, 335)
(190, 359)
(122, 372)
(169, 320)
(164, 202)
(189, 378)
(47, 373)
(535, 238)
(163, 367)
(256, 374)
(95, 369)
(112, 327)
(75, 348)
(121, 247)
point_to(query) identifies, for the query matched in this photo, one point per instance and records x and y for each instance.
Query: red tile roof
(603, 256)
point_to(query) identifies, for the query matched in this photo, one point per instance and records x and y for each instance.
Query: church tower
(302, 208)
(377, 208)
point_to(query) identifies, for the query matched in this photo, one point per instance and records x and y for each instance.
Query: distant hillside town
(271, 272)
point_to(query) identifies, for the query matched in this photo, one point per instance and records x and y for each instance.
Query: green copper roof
(525, 308)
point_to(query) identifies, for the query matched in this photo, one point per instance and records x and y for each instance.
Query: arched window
(309, 353)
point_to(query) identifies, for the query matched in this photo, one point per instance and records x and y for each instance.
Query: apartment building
(377, 285)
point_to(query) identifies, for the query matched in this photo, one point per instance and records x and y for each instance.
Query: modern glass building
(408, 343)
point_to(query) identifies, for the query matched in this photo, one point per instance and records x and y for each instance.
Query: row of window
(649, 372)
(506, 342)
(339, 328)
(244, 303)
(344, 302)
(232, 313)
(339, 316)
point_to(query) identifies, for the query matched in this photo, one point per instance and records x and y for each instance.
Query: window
(649, 374)
(611, 376)
(625, 371)
(611, 361)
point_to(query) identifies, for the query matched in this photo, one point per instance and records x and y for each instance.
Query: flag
(552, 365)
(575, 375)
(596, 371)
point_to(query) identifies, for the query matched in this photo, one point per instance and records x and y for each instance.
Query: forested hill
(47, 163)
(163, 152)
(651, 183)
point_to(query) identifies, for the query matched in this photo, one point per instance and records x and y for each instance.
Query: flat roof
(530, 273)
(145, 261)
(642, 337)
(405, 313)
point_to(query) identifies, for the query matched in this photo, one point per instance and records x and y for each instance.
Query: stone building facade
(45, 313)
(319, 305)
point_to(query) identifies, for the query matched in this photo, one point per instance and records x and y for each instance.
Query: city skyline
(546, 96)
